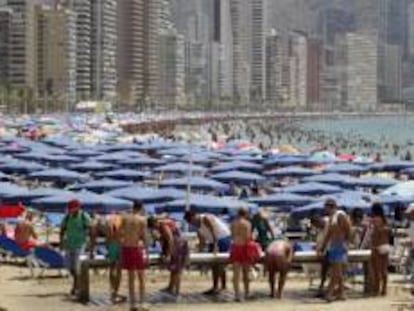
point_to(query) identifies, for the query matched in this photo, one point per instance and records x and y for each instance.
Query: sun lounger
(13, 250)
(49, 259)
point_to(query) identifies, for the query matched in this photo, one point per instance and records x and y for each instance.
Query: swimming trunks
(247, 254)
(337, 253)
(114, 252)
(132, 258)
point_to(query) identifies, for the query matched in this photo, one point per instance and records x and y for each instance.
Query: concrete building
(389, 73)
(361, 72)
(83, 11)
(5, 48)
(224, 36)
(298, 68)
(56, 56)
(171, 70)
(138, 26)
(240, 15)
(103, 49)
(314, 74)
(258, 49)
(22, 45)
(276, 89)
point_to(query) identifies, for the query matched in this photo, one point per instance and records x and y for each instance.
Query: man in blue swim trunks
(336, 245)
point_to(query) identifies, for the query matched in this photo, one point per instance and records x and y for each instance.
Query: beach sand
(18, 292)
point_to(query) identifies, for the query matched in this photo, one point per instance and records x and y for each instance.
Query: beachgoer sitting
(278, 258)
(244, 252)
(3, 229)
(175, 250)
(215, 234)
(25, 234)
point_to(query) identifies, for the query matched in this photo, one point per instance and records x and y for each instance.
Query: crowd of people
(248, 239)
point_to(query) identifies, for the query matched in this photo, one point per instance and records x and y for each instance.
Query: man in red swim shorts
(133, 231)
(244, 252)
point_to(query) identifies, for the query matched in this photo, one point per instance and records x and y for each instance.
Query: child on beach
(381, 249)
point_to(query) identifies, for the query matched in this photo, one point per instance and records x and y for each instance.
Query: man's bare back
(133, 230)
(241, 231)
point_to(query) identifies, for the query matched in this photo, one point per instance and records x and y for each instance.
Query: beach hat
(74, 206)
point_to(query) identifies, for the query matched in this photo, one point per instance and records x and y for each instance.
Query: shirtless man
(215, 233)
(133, 239)
(279, 256)
(336, 245)
(25, 234)
(243, 253)
(110, 229)
(175, 251)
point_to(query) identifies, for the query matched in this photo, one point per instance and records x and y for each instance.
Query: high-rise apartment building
(258, 49)
(298, 67)
(83, 11)
(137, 52)
(22, 52)
(56, 55)
(103, 49)
(5, 47)
(240, 15)
(360, 72)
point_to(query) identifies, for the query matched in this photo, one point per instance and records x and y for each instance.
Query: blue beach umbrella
(206, 204)
(125, 174)
(27, 196)
(180, 168)
(100, 186)
(84, 153)
(147, 195)
(92, 166)
(333, 179)
(196, 183)
(20, 167)
(345, 168)
(391, 166)
(58, 175)
(90, 202)
(284, 160)
(372, 182)
(236, 166)
(291, 171)
(141, 162)
(282, 200)
(7, 189)
(402, 189)
(312, 188)
(239, 177)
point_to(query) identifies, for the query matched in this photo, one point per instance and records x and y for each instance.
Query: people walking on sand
(133, 237)
(278, 259)
(214, 233)
(109, 228)
(24, 233)
(244, 252)
(380, 248)
(175, 250)
(336, 245)
(74, 233)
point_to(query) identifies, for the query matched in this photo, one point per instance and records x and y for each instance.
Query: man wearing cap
(74, 233)
(410, 215)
